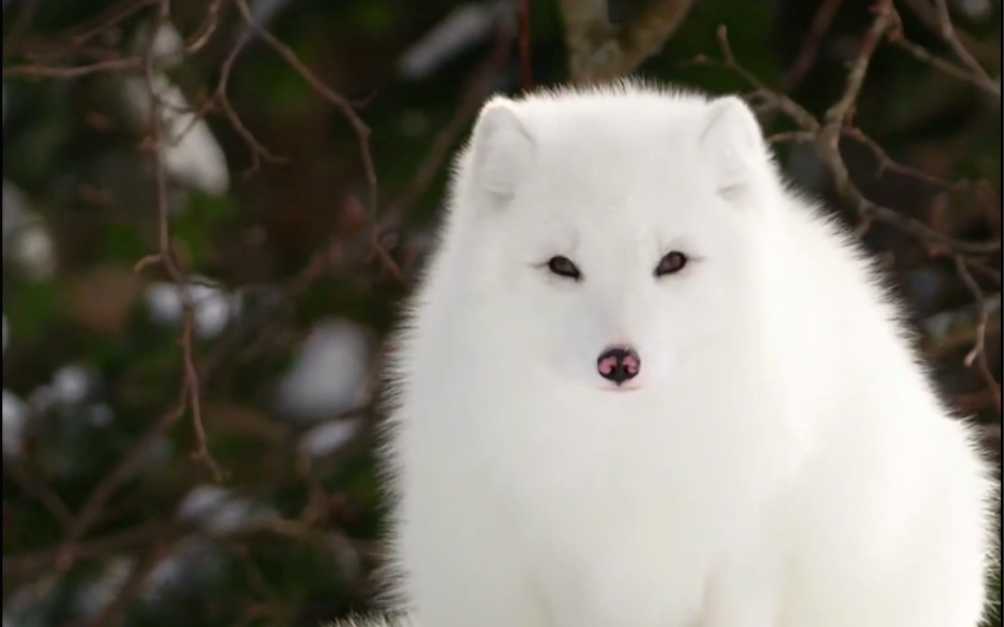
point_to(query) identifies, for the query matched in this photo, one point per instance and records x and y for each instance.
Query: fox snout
(618, 364)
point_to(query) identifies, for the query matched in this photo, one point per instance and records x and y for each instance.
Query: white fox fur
(374, 621)
(780, 460)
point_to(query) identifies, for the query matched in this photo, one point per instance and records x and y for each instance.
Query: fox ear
(502, 152)
(732, 140)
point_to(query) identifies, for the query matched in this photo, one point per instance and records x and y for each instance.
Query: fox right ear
(732, 139)
(501, 152)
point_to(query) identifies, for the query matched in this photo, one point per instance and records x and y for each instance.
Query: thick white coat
(374, 621)
(785, 460)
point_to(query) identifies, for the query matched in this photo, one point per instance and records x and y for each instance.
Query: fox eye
(671, 263)
(563, 266)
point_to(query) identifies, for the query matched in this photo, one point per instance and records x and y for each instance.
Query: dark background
(193, 309)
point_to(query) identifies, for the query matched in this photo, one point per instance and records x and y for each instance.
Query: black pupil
(673, 262)
(563, 266)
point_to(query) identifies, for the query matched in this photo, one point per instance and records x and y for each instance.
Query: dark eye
(563, 266)
(672, 263)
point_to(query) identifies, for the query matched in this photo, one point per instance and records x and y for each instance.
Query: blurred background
(212, 208)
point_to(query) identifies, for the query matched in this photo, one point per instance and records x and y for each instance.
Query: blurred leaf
(102, 298)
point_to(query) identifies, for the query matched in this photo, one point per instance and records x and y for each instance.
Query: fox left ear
(502, 152)
(733, 141)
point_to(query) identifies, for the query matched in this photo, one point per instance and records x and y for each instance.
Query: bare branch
(979, 79)
(978, 355)
(950, 35)
(347, 109)
(477, 89)
(825, 137)
(601, 51)
(839, 114)
(42, 492)
(132, 586)
(810, 48)
(132, 464)
(166, 257)
(987, 53)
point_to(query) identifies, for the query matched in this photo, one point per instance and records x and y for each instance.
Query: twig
(347, 109)
(599, 50)
(888, 164)
(42, 492)
(201, 452)
(983, 82)
(805, 120)
(826, 137)
(45, 71)
(78, 35)
(116, 64)
(838, 115)
(259, 152)
(166, 257)
(29, 566)
(791, 136)
(978, 355)
(949, 34)
(928, 14)
(810, 49)
(108, 20)
(948, 331)
(20, 24)
(131, 464)
(132, 585)
(477, 89)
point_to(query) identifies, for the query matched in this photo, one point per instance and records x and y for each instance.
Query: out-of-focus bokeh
(212, 209)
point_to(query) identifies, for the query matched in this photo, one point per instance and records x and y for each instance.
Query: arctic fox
(646, 384)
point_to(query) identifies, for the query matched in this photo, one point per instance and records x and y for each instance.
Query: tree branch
(601, 51)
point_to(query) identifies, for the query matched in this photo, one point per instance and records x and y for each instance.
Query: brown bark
(600, 51)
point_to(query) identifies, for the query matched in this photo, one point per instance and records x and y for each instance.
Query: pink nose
(619, 364)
